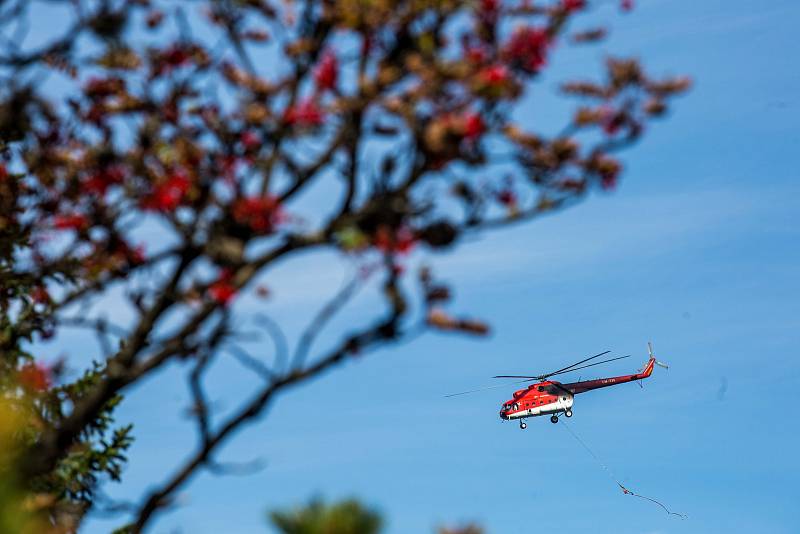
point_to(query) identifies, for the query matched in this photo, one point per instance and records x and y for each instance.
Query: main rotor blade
(591, 365)
(514, 376)
(573, 365)
(484, 389)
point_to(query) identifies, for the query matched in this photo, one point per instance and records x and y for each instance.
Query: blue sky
(697, 250)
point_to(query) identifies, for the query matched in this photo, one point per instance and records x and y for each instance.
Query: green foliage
(77, 474)
(467, 529)
(345, 517)
(100, 450)
(66, 492)
(18, 508)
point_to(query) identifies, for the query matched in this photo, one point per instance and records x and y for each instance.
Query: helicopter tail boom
(588, 385)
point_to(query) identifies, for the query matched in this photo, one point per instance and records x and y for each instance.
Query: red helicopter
(550, 397)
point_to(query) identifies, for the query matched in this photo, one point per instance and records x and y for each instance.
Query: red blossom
(527, 48)
(102, 87)
(228, 165)
(259, 36)
(507, 197)
(327, 71)
(261, 214)
(609, 181)
(262, 291)
(572, 184)
(250, 140)
(608, 169)
(96, 114)
(70, 221)
(169, 194)
(222, 290)
(494, 75)
(404, 241)
(383, 239)
(612, 126)
(572, 5)
(474, 126)
(612, 120)
(137, 255)
(99, 181)
(131, 255)
(400, 242)
(366, 45)
(175, 56)
(40, 295)
(34, 377)
(488, 10)
(475, 54)
(304, 114)
(154, 18)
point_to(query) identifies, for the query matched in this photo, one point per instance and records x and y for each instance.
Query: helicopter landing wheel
(568, 413)
(554, 419)
(523, 425)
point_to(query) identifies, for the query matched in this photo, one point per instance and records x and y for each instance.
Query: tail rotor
(652, 356)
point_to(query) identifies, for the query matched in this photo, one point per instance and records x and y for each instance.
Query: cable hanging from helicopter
(613, 477)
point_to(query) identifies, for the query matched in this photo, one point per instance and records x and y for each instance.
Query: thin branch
(278, 339)
(236, 468)
(385, 330)
(327, 312)
(303, 176)
(200, 409)
(100, 324)
(249, 361)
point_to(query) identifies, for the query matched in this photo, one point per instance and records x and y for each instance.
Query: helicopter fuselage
(544, 398)
(552, 398)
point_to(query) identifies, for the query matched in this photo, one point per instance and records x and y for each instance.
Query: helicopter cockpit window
(540, 388)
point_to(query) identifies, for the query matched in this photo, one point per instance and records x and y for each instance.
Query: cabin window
(540, 388)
